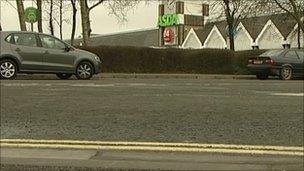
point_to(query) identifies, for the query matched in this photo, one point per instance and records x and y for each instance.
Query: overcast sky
(143, 16)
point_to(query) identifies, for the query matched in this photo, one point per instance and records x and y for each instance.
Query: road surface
(248, 112)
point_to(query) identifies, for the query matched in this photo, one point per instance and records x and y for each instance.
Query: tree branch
(95, 5)
(283, 8)
(11, 5)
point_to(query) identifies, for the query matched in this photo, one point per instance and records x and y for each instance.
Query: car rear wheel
(8, 69)
(262, 76)
(64, 76)
(84, 71)
(286, 73)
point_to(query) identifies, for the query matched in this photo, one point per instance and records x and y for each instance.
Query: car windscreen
(272, 53)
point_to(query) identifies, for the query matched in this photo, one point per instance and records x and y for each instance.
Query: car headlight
(97, 58)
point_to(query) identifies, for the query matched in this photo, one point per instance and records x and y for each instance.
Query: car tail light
(250, 61)
(269, 61)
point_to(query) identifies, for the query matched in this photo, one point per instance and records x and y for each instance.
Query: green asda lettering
(168, 20)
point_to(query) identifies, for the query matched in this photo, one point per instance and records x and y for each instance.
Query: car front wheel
(84, 71)
(8, 69)
(64, 76)
(286, 73)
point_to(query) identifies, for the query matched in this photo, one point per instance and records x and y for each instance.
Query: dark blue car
(285, 63)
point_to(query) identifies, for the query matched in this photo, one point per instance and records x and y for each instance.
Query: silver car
(29, 52)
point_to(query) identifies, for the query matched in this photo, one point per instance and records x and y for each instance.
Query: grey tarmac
(217, 111)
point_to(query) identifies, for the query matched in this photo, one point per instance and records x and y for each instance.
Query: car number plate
(257, 62)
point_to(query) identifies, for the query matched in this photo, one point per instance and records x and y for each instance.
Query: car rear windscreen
(272, 53)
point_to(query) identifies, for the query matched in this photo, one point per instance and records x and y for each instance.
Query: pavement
(221, 110)
(14, 159)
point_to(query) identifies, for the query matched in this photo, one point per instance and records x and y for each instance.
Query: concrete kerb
(141, 76)
(174, 76)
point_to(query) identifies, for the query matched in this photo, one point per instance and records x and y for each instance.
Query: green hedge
(171, 60)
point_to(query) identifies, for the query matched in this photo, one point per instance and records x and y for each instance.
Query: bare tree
(51, 26)
(56, 10)
(39, 7)
(60, 18)
(294, 8)
(85, 19)
(74, 20)
(118, 8)
(233, 11)
(20, 9)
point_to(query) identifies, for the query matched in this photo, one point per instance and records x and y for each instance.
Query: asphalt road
(250, 112)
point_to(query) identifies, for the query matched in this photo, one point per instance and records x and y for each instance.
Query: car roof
(296, 49)
(5, 33)
(28, 32)
(17, 32)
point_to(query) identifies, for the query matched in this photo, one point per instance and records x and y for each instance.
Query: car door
(26, 46)
(56, 58)
(291, 57)
(301, 56)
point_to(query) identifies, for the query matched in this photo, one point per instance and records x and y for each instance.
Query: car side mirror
(67, 49)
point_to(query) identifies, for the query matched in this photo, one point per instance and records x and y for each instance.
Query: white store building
(186, 24)
(266, 32)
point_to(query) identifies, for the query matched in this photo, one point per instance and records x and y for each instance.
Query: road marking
(92, 85)
(22, 84)
(288, 94)
(279, 93)
(153, 146)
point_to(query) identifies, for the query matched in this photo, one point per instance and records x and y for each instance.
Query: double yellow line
(152, 146)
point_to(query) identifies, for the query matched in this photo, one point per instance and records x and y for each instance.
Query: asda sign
(31, 15)
(168, 20)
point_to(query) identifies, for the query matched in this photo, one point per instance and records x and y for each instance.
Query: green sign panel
(31, 15)
(168, 20)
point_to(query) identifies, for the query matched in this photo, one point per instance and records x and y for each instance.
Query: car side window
(51, 43)
(9, 39)
(292, 55)
(25, 39)
(301, 55)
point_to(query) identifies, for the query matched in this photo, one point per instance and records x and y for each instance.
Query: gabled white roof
(191, 33)
(217, 31)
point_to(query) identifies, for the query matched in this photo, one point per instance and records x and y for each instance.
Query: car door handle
(18, 50)
(46, 52)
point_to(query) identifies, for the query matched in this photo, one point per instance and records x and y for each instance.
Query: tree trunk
(51, 18)
(301, 24)
(303, 39)
(85, 20)
(231, 37)
(230, 22)
(0, 27)
(73, 2)
(60, 19)
(299, 38)
(20, 8)
(39, 7)
(300, 28)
